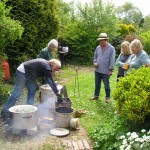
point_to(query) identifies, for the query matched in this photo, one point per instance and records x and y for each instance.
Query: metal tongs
(76, 79)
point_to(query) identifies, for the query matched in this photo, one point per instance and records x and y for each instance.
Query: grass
(96, 112)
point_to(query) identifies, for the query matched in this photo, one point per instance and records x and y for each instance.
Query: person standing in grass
(104, 59)
(122, 58)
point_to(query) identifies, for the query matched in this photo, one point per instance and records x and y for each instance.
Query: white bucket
(48, 97)
(63, 115)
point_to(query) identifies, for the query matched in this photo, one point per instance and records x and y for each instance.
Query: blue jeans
(98, 78)
(20, 83)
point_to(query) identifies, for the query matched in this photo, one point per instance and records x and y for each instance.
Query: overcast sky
(143, 5)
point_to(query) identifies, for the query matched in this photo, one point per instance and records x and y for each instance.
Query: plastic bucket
(63, 115)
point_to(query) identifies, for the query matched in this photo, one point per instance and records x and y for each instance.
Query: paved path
(76, 140)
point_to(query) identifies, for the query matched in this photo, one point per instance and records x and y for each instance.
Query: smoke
(46, 114)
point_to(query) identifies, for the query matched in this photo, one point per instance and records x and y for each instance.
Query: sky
(143, 5)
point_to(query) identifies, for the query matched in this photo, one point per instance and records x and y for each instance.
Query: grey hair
(56, 62)
(53, 42)
(136, 44)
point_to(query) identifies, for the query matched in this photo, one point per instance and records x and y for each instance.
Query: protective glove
(59, 98)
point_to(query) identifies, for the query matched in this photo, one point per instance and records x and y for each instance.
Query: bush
(106, 136)
(132, 95)
(136, 141)
(4, 88)
(145, 36)
(40, 22)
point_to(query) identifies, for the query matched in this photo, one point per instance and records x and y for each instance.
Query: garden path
(76, 140)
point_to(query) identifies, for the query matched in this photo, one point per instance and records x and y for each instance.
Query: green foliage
(80, 47)
(4, 86)
(129, 14)
(106, 136)
(81, 33)
(132, 95)
(145, 36)
(146, 24)
(10, 29)
(40, 22)
(126, 29)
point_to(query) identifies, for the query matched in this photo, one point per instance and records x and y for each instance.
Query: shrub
(106, 136)
(145, 36)
(4, 88)
(40, 21)
(132, 95)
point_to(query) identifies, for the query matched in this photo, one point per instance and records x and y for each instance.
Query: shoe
(94, 98)
(107, 100)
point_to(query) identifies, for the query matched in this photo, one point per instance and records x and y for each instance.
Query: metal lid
(59, 131)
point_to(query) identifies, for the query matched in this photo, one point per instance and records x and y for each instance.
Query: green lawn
(96, 112)
(80, 94)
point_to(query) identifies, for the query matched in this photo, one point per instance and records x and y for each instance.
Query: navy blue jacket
(37, 68)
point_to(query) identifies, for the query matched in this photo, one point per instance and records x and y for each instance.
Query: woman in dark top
(122, 58)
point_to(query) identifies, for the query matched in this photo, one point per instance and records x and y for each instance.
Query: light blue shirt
(141, 59)
(105, 59)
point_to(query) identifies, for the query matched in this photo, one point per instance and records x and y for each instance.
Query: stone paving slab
(76, 140)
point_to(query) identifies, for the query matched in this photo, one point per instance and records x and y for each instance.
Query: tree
(65, 11)
(89, 20)
(10, 29)
(146, 24)
(40, 21)
(129, 14)
(145, 36)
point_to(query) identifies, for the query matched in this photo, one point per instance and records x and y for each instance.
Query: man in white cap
(104, 59)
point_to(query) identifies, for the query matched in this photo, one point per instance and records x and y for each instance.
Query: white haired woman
(46, 53)
(139, 57)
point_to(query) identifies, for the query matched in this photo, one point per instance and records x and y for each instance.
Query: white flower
(147, 138)
(124, 141)
(122, 147)
(143, 130)
(122, 137)
(141, 145)
(130, 138)
(128, 134)
(131, 142)
(138, 139)
(134, 135)
(128, 147)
